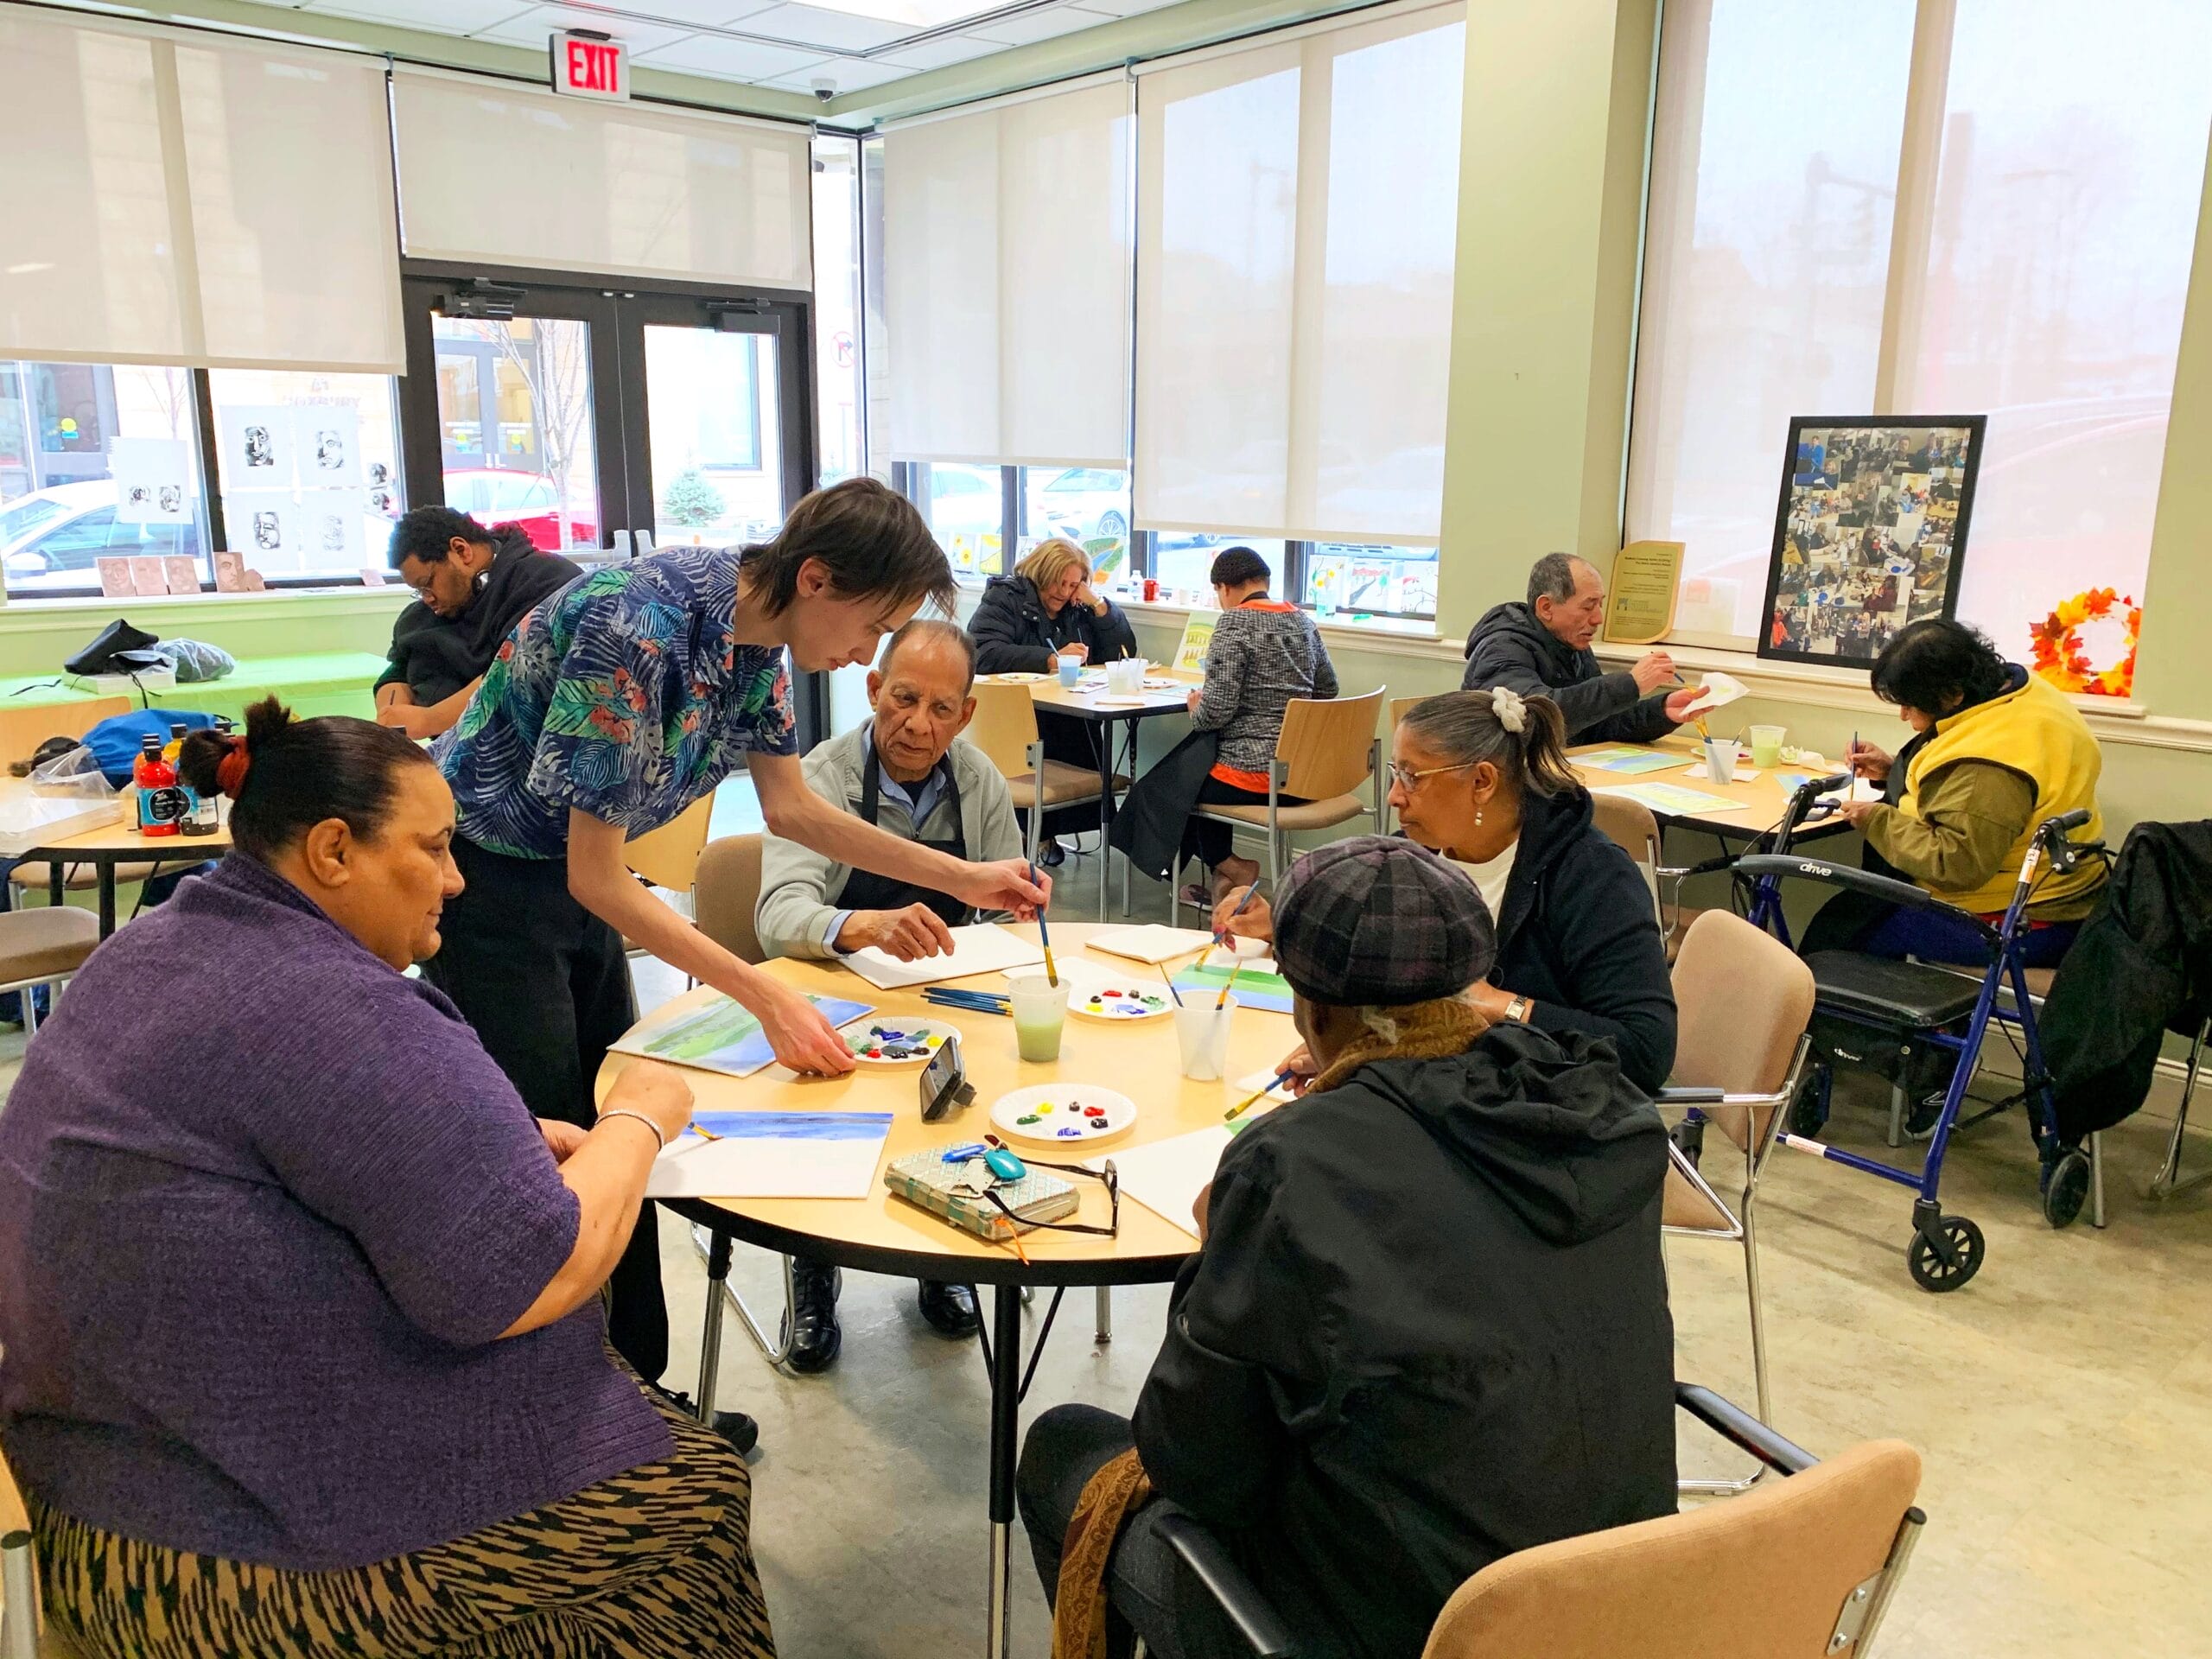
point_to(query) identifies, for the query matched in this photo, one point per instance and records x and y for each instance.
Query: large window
(96, 462)
(1995, 217)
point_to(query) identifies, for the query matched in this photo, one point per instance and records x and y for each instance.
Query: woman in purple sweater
(301, 1344)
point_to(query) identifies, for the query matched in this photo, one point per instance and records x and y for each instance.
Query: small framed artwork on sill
(1870, 534)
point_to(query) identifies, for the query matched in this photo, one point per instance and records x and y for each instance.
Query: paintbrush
(1045, 938)
(1172, 991)
(1243, 1106)
(1235, 968)
(1221, 933)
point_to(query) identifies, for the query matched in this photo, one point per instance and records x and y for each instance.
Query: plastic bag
(195, 660)
(76, 772)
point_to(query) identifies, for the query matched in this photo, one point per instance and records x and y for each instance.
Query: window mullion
(1912, 228)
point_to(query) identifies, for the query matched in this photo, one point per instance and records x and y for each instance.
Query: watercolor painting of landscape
(718, 1035)
(773, 1155)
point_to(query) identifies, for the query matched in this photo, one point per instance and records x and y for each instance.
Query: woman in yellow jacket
(1997, 751)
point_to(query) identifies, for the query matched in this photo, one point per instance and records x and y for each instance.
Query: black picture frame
(1826, 586)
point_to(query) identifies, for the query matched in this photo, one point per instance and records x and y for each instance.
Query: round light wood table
(111, 845)
(884, 1234)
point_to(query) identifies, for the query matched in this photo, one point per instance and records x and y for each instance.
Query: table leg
(1106, 741)
(54, 874)
(107, 896)
(710, 1335)
(1006, 1446)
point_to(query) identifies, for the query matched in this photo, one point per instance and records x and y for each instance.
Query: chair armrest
(1737, 1427)
(1688, 1094)
(1263, 1628)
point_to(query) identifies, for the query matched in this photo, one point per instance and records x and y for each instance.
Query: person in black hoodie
(1046, 609)
(1541, 649)
(1482, 777)
(472, 585)
(1428, 1323)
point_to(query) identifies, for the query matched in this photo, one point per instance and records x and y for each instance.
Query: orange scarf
(1118, 1491)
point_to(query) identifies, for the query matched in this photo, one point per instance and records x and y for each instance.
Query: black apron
(1148, 825)
(865, 890)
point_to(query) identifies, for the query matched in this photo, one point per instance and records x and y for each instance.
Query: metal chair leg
(1105, 1327)
(1730, 1487)
(19, 1587)
(2168, 1181)
(2096, 1178)
(775, 1351)
(29, 994)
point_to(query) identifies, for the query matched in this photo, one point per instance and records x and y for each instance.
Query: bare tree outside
(552, 358)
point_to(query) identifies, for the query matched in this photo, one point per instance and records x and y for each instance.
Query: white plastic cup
(1721, 754)
(1766, 745)
(1071, 670)
(1040, 1010)
(1126, 678)
(1203, 1034)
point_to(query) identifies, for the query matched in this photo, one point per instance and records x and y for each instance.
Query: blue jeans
(1853, 921)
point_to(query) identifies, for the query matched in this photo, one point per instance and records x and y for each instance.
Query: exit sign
(585, 65)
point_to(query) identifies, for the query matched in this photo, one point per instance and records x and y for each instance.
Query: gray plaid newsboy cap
(1376, 919)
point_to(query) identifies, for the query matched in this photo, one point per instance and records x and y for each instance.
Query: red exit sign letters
(585, 65)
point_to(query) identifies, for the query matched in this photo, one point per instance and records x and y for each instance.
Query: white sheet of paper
(1718, 690)
(264, 526)
(1152, 943)
(329, 437)
(785, 1160)
(1165, 1176)
(152, 480)
(984, 947)
(332, 534)
(259, 447)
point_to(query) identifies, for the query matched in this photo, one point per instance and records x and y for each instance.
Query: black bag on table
(119, 648)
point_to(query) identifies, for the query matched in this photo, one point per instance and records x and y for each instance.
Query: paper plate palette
(1015, 679)
(1064, 1114)
(1155, 682)
(1120, 1003)
(896, 1042)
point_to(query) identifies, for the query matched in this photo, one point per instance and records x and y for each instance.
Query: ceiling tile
(834, 31)
(535, 26)
(851, 74)
(938, 53)
(1026, 29)
(445, 17)
(728, 59)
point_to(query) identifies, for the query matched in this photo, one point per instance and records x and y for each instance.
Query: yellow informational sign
(1191, 655)
(1640, 598)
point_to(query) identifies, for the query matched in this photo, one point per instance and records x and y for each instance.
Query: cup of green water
(1040, 1009)
(1766, 745)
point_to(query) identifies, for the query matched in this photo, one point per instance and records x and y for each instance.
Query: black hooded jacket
(436, 656)
(1013, 634)
(1428, 1327)
(1577, 936)
(1510, 647)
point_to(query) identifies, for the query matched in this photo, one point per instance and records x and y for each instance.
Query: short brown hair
(873, 541)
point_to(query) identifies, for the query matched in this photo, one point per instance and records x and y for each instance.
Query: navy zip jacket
(1013, 634)
(1510, 647)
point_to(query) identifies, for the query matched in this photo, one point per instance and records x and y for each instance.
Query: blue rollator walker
(1909, 1015)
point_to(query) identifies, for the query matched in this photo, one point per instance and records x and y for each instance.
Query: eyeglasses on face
(1401, 777)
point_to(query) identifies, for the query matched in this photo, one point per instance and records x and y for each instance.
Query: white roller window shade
(619, 190)
(1007, 282)
(1297, 223)
(195, 202)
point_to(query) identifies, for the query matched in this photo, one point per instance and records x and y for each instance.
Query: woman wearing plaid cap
(1482, 777)
(1427, 1324)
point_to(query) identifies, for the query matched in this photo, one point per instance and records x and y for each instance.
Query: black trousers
(1147, 1586)
(546, 987)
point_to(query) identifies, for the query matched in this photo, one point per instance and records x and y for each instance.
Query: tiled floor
(2063, 1402)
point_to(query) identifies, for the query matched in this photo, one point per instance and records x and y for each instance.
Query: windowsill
(1404, 628)
(354, 589)
(73, 612)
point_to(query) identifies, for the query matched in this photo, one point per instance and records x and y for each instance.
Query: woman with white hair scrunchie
(1482, 777)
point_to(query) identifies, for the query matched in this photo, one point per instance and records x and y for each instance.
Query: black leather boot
(811, 1325)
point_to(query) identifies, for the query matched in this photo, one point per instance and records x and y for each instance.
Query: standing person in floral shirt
(610, 709)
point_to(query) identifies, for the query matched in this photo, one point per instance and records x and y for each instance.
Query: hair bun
(1511, 710)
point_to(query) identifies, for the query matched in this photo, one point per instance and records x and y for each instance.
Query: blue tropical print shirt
(624, 696)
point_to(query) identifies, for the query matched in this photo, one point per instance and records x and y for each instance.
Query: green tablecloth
(327, 683)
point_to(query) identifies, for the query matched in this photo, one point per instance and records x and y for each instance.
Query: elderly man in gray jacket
(908, 771)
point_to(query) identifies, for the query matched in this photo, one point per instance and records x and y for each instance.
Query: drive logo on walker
(587, 64)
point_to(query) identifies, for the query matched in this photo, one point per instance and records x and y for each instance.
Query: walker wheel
(1809, 1112)
(2069, 1185)
(1930, 1272)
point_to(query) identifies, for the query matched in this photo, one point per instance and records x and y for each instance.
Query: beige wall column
(1551, 185)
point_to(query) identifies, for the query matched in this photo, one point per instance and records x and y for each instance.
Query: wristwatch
(1518, 1010)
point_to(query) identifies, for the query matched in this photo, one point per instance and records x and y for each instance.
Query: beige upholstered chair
(1325, 750)
(1742, 999)
(1005, 729)
(1629, 824)
(1802, 1569)
(43, 947)
(669, 857)
(726, 893)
